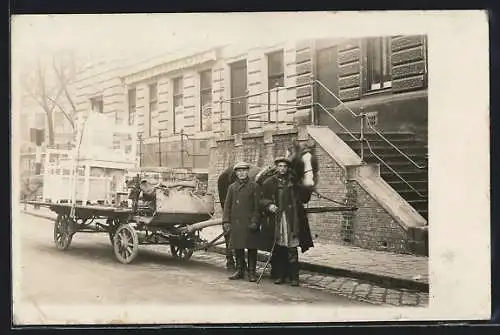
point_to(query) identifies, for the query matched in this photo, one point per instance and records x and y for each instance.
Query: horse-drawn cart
(177, 220)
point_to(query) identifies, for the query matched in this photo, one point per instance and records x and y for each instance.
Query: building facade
(231, 89)
(387, 75)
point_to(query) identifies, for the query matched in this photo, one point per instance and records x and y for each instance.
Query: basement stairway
(414, 176)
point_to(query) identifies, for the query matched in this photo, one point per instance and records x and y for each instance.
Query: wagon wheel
(62, 234)
(112, 226)
(181, 252)
(125, 243)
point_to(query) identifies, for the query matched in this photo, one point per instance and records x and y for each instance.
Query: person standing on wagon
(282, 198)
(241, 217)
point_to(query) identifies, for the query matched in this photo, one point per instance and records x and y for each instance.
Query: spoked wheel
(113, 224)
(125, 243)
(62, 232)
(181, 252)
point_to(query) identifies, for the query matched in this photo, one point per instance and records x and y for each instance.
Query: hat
(282, 160)
(241, 165)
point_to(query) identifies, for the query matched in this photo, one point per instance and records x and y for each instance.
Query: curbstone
(382, 280)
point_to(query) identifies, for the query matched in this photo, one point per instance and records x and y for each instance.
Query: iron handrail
(340, 123)
(363, 116)
(266, 91)
(397, 149)
(393, 171)
(337, 98)
(247, 115)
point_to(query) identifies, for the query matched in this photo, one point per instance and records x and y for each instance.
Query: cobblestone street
(203, 268)
(88, 273)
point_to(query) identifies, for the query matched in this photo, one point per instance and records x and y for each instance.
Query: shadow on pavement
(104, 254)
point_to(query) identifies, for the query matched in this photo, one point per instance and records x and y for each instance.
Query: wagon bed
(127, 230)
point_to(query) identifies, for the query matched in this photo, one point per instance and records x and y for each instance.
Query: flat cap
(282, 160)
(241, 165)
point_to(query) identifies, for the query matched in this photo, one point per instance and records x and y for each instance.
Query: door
(238, 89)
(327, 73)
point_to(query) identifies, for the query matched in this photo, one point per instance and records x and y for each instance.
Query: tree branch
(64, 85)
(68, 117)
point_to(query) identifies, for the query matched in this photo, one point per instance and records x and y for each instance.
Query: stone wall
(371, 226)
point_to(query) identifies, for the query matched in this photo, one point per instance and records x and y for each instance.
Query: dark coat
(241, 209)
(294, 210)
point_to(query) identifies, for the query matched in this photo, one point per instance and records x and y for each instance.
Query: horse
(304, 169)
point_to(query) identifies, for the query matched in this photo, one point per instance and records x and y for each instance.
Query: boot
(240, 265)
(273, 265)
(293, 259)
(230, 264)
(252, 265)
(280, 266)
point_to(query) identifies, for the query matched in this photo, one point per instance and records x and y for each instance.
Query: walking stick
(267, 263)
(270, 255)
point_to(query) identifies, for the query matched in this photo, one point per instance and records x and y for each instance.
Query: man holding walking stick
(282, 198)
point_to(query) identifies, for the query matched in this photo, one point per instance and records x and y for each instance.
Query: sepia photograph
(181, 168)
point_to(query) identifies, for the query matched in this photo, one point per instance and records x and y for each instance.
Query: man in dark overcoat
(241, 217)
(283, 199)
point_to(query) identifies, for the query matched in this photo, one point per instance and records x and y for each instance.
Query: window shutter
(408, 63)
(349, 63)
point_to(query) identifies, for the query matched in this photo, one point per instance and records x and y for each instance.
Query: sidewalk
(384, 268)
(390, 269)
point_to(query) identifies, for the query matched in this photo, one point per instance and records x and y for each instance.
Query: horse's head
(304, 163)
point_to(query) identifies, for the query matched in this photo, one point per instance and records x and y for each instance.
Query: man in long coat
(241, 217)
(283, 199)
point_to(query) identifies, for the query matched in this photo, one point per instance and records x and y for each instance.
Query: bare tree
(49, 87)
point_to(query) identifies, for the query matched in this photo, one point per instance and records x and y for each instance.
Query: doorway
(238, 89)
(327, 73)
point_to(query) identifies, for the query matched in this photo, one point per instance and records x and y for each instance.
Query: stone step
(419, 204)
(394, 155)
(424, 213)
(415, 175)
(382, 150)
(402, 167)
(418, 184)
(397, 162)
(376, 140)
(409, 194)
(371, 135)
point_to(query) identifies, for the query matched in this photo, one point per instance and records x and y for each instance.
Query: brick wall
(369, 227)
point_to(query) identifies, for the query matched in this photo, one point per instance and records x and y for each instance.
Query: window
(97, 105)
(153, 97)
(177, 98)
(206, 100)
(116, 141)
(153, 103)
(378, 63)
(118, 117)
(275, 77)
(275, 70)
(131, 106)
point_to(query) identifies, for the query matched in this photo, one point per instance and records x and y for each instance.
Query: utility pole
(159, 147)
(140, 150)
(182, 148)
(277, 105)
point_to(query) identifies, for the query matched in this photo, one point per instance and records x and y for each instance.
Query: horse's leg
(230, 264)
(223, 183)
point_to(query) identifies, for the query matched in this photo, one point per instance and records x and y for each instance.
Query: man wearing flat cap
(241, 218)
(282, 198)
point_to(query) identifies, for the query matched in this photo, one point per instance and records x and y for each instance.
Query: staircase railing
(363, 116)
(395, 147)
(273, 107)
(393, 171)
